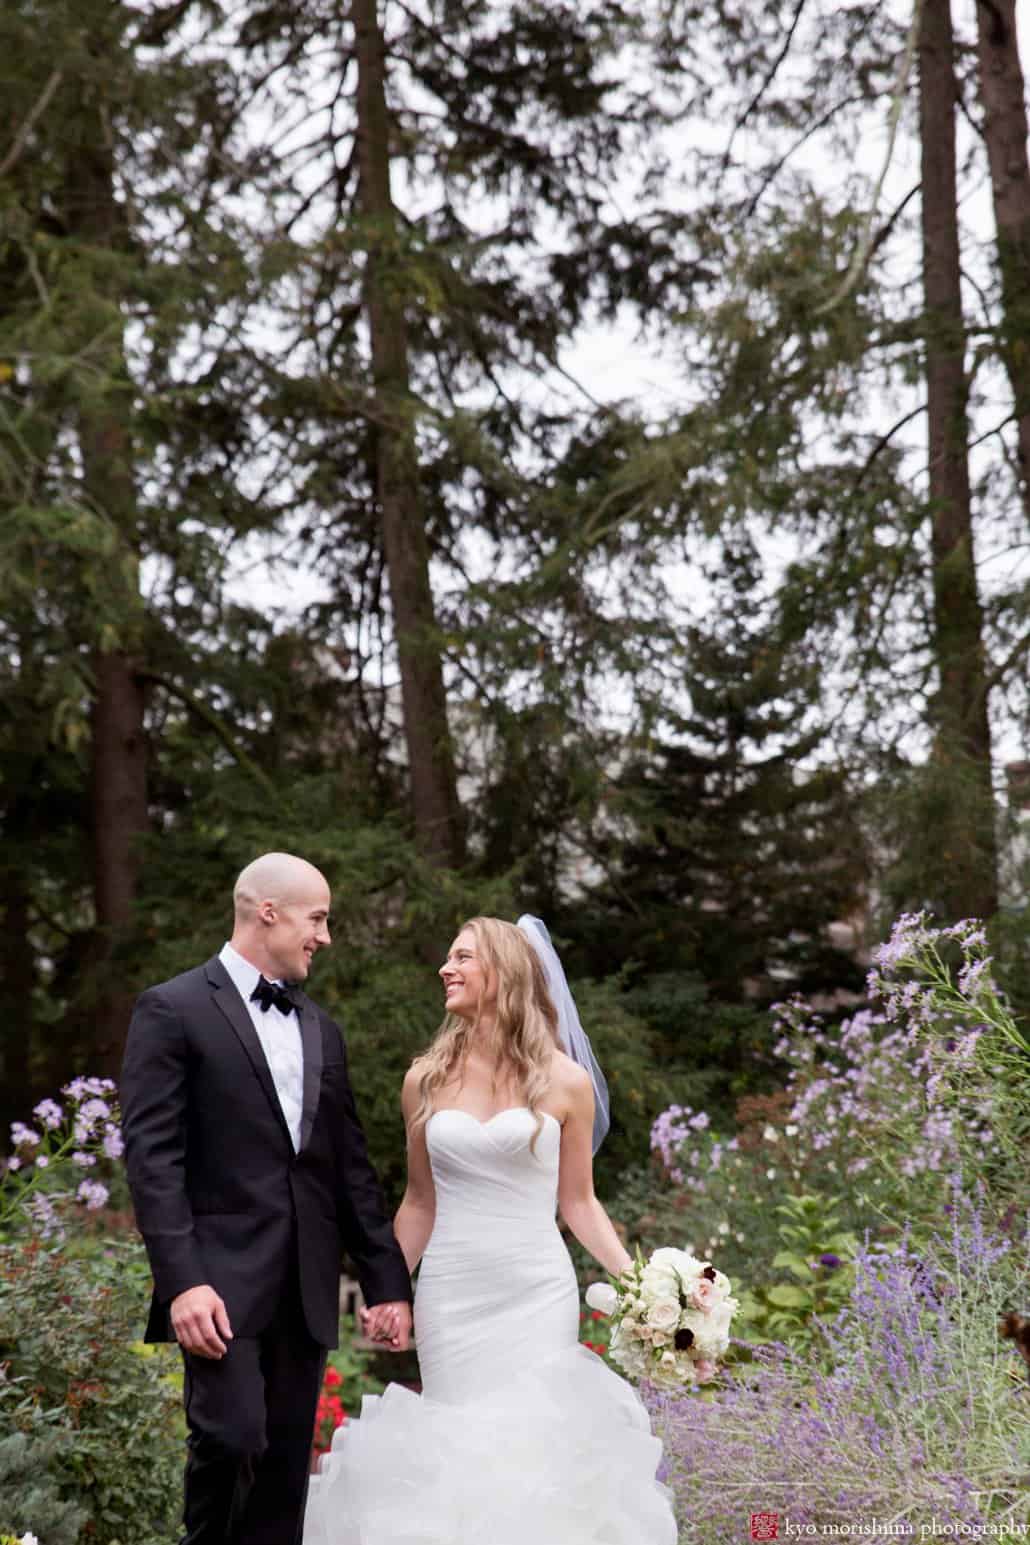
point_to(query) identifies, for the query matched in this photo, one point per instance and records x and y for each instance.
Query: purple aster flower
(43, 1217)
(93, 1194)
(113, 1144)
(49, 1113)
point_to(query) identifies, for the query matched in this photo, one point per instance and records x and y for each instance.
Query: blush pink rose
(704, 1369)
(703, 1295)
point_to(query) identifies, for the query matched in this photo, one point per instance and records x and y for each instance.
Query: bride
(521, 1436)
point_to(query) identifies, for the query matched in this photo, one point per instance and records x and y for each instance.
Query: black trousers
(251, 1419)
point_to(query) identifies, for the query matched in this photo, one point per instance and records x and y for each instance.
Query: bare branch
(767, 80)
(21, 139)
(868, 241)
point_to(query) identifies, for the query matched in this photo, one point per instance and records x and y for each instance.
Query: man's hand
(200, 1322)
(388, 1323)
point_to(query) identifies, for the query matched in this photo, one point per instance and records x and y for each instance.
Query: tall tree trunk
(430, 758)
(17, 981)
(1005, 130)
(119, 764)
(968, 879)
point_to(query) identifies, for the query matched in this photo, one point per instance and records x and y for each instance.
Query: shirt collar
(245, 977)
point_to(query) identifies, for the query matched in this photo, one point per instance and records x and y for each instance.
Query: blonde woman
(521, 1435)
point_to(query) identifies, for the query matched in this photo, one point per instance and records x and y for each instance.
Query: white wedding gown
(521, 1435)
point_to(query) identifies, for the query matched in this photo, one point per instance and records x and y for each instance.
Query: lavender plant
(939, 983)
(923, 1412)
(49, 1170)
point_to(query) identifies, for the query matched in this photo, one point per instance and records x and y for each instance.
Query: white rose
(661, 1338)
(712, 1334)
(664, 1314)
(602, 1296)
(666, 1372)
(630, 1356)
(665, 1274)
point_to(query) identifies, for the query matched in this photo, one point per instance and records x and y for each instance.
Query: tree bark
(1005, 131)
(430, 759)
(120, 814)
(17, 981)
(968, 879)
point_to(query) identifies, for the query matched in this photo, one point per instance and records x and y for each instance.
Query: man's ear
(266, 913)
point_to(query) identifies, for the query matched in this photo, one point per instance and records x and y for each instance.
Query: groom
(250, 1177)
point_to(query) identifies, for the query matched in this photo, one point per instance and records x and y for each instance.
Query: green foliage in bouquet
(69, 1323)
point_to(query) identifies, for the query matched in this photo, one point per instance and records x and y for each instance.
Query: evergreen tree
(736, 841)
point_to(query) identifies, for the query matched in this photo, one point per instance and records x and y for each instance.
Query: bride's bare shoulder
(411, 1089)
(569, 1082)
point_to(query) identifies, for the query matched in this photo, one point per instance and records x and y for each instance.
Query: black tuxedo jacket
(220, 1195)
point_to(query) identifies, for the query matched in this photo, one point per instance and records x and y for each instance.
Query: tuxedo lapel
(311, 1040)
(233, 1007)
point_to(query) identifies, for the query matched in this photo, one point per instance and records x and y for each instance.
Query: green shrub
(69, 1323)
(30, 1499)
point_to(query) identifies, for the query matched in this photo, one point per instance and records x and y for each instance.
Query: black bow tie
(273, 995)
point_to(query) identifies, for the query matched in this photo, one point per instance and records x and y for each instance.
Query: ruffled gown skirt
(521, 1435)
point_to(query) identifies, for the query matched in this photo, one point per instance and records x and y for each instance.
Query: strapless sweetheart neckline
(455, 1110)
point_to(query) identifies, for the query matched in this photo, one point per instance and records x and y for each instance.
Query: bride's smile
(470, 990)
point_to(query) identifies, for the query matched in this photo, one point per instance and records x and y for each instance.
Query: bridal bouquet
(670, 1318)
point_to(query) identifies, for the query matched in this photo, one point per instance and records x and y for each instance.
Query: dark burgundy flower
(683, 1340)
(709, 1272)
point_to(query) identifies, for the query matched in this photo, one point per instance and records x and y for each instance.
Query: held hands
(200, 1323)
(389, 1323)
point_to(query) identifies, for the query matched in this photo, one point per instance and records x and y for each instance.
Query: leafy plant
(819, 1256)
(74, 1368)
(29, 1491)
(352, 1363)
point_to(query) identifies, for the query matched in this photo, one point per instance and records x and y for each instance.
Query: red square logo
(765, 1526)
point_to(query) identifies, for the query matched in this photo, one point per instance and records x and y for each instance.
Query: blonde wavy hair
(527, 1023)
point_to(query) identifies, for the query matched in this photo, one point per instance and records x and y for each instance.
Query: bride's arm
(415, 1216)
(579, 1206)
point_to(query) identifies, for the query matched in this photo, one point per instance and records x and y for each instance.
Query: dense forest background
(313, 537)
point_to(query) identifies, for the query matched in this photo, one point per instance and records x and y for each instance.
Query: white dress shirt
(279, 1035)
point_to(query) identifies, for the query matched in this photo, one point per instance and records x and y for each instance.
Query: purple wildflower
(49, 1113)
(113, 1144)
(93, 1193)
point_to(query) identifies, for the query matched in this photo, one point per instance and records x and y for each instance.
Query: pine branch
(214, 723)
(21, 139)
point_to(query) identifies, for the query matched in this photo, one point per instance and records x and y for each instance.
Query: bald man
(250, 1177)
